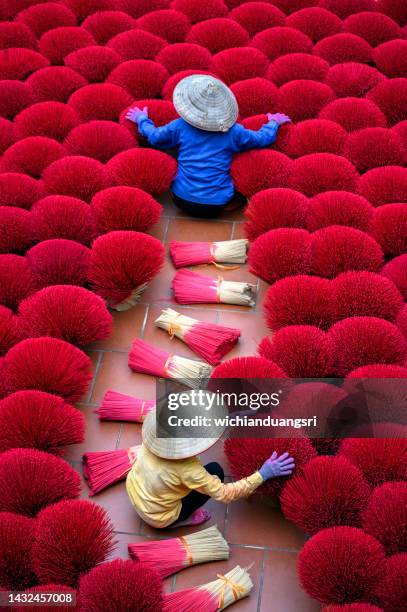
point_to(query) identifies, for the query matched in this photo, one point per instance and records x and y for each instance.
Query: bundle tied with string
(145, 358)
(120, 407)
(102, 469)
(194, 288)
(175, 554)
(199, 253)
(213, 596)
(210, 341)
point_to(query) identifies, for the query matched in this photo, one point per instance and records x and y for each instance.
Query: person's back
(207, 136)
(204, 160)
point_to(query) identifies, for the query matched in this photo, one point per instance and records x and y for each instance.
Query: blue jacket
(204, 158)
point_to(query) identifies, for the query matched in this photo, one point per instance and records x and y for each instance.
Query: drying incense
(194, 288)
(102, 469)
(147, 359)
(198, 253)
(120, 407)
(213, 596)
(175, 554)
(210, 341)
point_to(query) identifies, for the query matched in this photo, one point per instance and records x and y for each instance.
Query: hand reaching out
(279, 118)
(134, 113)
(275, 466)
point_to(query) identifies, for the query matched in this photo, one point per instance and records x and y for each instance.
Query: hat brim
(172, 448)
(215, 112)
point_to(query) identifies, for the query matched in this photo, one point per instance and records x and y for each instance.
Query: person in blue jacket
(207, 137)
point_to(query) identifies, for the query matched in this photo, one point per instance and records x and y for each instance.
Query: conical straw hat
(206, 103)
(180, 447)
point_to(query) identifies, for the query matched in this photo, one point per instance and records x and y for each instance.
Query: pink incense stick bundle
(120, 407)
(194, 288)
(102, 469)
(147, 359)
(198, 253)
(175, 554)
(210, 341)
(213, 596)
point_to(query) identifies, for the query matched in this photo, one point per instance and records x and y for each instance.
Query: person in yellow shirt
(168, 485)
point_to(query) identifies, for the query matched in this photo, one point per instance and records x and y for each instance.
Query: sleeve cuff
(256, 479)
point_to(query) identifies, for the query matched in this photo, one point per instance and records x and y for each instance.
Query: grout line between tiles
(165, 233)
(196, 220)
(119, 435)
(144, 323)
(93, 383)
(261, 581)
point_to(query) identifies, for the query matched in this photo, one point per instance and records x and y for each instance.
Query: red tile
(99, 436)
(200, 574)
(118, 506)
(159, 288)
(198, 230)
(281, 585)
(159, 229)
(169, 208)
(115, 374)
(127, 325)
(256, 522)
(253, 329)
(95, 357)
(263, 288)
(238, 230)
(123, 540)
(233, 215)
(130, 435)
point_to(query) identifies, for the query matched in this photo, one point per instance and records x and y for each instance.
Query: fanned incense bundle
(147, 359)
(194, 288)
(120, 407)
(102, 469)
(208, 340)
(172, 555)
(198, 253)
(212, 596)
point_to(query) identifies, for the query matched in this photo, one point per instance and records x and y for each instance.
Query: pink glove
(133, 114)
(278, 118)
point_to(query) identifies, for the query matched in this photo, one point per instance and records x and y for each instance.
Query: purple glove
(277, 466)
(278, 118)
(133, 114)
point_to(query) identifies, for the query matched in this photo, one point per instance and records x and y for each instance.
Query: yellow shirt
(157, 486)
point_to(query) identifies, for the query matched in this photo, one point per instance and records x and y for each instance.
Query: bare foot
(197, 518)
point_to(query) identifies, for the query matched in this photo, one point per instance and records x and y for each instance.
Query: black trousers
(195, 500)
(205, 211)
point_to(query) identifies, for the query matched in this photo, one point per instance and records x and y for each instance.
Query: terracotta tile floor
(256, 530)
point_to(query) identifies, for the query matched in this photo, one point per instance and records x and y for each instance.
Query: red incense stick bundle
(102, 469)
(120, 407)
(175, 554)
(213, 596)
(198, 253)
(147, 359)
(210, 341)
(194, 288)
